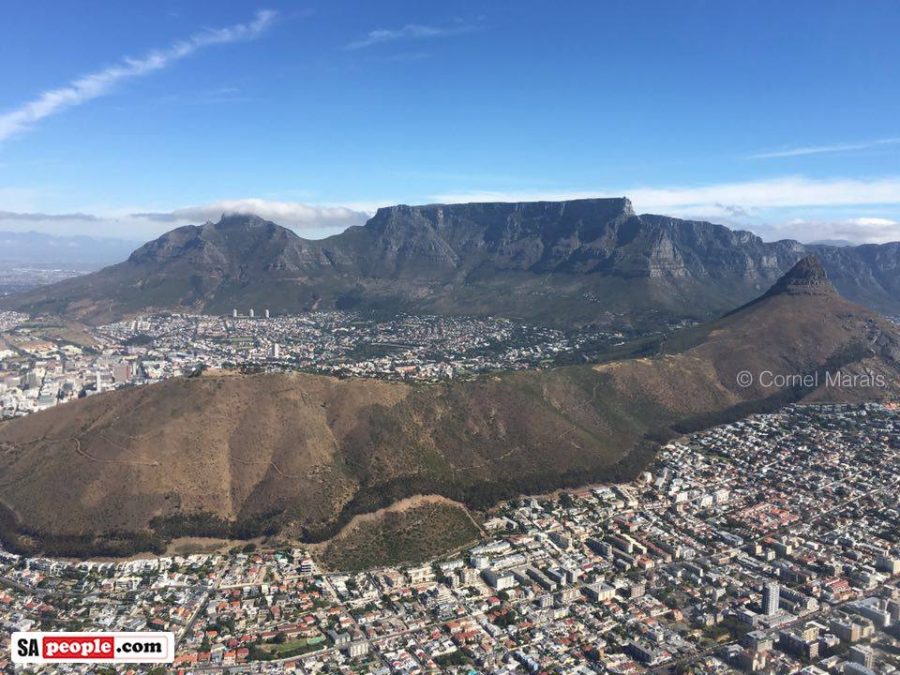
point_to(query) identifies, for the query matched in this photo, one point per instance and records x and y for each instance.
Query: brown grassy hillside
(240, 455)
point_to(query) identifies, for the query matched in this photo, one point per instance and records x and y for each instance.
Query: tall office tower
(252, 314)
(234, 313)
(771, 595)
(267, 314)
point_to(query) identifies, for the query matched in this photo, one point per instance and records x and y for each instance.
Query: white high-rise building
(771, 597)
(267, 314)
(252, 314)
(234, 313)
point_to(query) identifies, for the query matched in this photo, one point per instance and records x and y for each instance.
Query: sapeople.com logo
(45, 647)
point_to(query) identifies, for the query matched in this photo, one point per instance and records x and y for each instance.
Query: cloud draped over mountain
(789, 207)
(853, 209)
(315, 221)
(291, 214)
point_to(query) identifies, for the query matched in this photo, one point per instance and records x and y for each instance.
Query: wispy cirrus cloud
(803, 151)
(411, 31)
(103, 81)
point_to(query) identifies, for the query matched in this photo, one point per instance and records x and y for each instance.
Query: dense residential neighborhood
(37, 373)
(766, 545)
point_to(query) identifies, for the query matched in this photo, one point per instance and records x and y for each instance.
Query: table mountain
(551, 262)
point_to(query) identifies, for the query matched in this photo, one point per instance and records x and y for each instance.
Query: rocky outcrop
(806, 277)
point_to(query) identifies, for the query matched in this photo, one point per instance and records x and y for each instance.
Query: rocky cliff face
(807, 277)
(868, 274)
(547, 261)
(441, 239)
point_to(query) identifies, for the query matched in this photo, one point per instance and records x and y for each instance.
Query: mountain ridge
(548, 262)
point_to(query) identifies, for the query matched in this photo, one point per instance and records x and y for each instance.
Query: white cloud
(411, 31)
(798, 208)
(824, 149)
(289, 214)
(767, 207)
(103, 81)
(863, 230)
(40, 217)
(313, 221)
(792, 191)
(874, 222)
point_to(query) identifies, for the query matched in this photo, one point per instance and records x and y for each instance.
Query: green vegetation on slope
(410, 535)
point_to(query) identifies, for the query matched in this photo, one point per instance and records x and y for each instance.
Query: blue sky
(126, 119)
